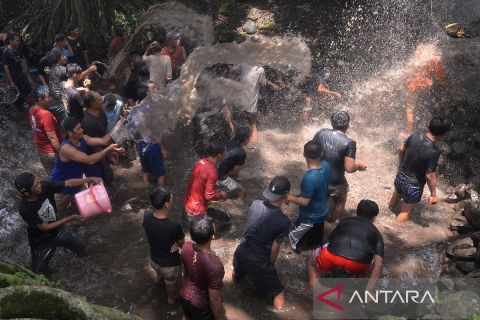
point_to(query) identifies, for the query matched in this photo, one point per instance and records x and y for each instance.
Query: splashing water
(156, 114)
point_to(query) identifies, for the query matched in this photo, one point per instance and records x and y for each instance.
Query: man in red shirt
(204, 272)
(201, 186)
(121, 37)
(176, 51)
(44, 128)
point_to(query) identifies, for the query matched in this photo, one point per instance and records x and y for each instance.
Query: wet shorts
(411, 192)
(327, 262)
(305, 236)
(171, 277)
(260, 272)
(193, 313)
(338, 193)
(153, 165)
(230, 186)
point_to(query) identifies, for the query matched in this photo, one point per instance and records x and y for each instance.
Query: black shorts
(261, 273)
(193, 313)
(42, 254)
(305, 236)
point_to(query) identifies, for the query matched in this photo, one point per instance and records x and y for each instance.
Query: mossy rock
(49, 303)
(14, 275)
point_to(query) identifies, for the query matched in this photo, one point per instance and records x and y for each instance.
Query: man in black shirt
(339, 151)
(165, 237)
(95, 125)
(57, 77)
(16, 67)
(230, 165)
(38, 209)
(353, 248)
(80, 54)
(266, 228)
(72, 98)
(418, 164)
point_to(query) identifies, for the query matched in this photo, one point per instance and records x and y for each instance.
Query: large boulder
(49, 303)
(465, 266)
(24, 294)
(472, 213)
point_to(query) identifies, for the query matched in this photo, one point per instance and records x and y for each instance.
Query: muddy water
(112, 273)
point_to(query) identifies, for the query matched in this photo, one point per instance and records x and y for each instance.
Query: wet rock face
(472, 213)
(462, 192)
(466, 266)
(461, 248)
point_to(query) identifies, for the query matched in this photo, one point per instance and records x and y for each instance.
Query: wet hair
(312, 150)
(11, 35)
(73, 69)
(212, 148)
(242, 134)
(110, 101)
(159, 197)
(367, 209)
(70, 123)
(156, 47)
(439, 126)
(59, 37)
(88, 99)
(120, 31)
(340, 120)
(24, 182)
(52, 57)
(172, 35)
(202, 230)
(72, 26)
(210, 128)
(40, 92)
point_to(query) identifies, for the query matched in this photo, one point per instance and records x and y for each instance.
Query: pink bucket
(93, 201)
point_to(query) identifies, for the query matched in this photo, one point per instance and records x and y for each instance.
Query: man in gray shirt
(159, 66)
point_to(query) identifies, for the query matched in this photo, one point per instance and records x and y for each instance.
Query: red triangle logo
(338, 291)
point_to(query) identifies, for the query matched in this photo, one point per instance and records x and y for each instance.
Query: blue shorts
(411, 192)
(153, 165)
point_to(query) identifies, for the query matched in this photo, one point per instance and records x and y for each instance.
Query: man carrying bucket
(38, 209)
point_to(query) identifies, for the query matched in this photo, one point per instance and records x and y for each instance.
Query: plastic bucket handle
(92, 194)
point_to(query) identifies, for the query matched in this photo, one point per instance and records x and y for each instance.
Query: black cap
(24, 182)
(278, 187)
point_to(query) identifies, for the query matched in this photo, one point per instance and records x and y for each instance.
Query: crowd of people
(71, 123)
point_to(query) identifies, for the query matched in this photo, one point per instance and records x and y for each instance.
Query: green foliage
(127, 21)
(269, 25)
(225, 9)
(43, 19)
